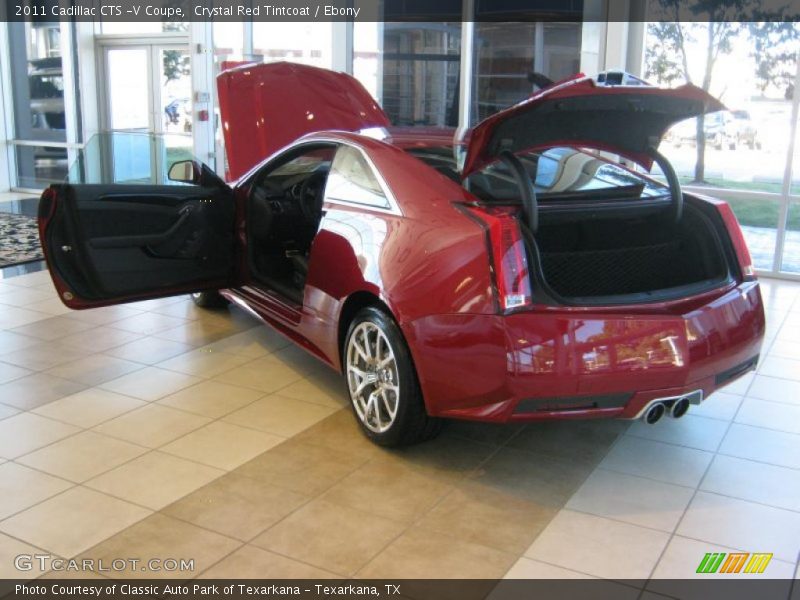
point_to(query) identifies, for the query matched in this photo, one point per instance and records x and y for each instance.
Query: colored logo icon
(734, 562)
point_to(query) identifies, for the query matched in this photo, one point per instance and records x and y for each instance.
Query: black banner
(398, 10)
(713, 588)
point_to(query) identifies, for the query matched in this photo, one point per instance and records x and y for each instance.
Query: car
(723, 130)
(514, 275)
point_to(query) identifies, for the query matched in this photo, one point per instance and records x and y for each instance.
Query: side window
(351, 179)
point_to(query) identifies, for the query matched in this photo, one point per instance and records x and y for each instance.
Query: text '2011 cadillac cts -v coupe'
(514, 276)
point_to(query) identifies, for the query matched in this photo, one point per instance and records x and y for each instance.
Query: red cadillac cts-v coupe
(514, 276)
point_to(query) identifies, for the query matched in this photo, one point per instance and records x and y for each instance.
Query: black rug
(19, 240)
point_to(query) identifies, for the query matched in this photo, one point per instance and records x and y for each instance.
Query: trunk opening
(591, 258)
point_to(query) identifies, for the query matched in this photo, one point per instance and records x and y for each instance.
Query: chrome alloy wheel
(372, 377)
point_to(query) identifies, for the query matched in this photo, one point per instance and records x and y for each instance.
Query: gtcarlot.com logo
(734, 562)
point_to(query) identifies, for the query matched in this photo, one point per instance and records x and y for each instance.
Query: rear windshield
(559, 173)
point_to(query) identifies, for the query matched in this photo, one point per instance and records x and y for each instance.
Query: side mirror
(185, 171)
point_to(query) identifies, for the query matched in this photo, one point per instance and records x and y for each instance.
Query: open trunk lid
(623, 119)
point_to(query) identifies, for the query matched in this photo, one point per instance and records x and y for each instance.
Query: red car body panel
(265, 107)
(428, 263)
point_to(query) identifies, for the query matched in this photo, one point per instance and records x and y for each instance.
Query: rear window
(559, 173)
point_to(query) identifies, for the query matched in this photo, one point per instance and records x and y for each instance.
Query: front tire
(382, 382)
(209, 299)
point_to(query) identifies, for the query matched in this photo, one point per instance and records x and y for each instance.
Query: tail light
(739, 244)
(509, 259)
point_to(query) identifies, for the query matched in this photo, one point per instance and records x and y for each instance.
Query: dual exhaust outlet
(675, 409)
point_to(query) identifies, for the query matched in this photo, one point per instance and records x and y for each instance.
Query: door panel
(114, 243)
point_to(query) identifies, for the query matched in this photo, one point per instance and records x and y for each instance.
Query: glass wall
(742, 154)
(38, 102)
(510, 59)
(306, 43)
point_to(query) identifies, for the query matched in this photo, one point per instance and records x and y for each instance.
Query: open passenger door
(109, 244)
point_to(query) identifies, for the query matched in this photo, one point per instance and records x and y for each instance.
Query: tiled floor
(158, 430)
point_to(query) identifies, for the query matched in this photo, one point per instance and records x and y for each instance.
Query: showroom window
(511, 57)
(38, 102)
(306, 43)
(743, 155)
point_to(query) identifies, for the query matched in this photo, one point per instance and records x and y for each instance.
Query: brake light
(739, 244)
(509, 259)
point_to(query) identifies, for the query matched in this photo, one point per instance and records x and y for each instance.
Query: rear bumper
(583, 363)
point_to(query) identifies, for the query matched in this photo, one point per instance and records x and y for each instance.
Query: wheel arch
(354, 303)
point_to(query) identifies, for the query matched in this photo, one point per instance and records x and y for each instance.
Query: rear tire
(382, 382)
(209, 299)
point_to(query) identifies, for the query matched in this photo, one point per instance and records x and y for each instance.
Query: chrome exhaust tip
(679, 408)
(653, 414)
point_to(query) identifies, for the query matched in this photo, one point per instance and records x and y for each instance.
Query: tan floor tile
(758, 482)
(26, 432)
(256, 342)
(765, 445)
(159, 536)
(598, 546)
(204, 363)
(148, 323)
(99, 339)
(23, 297)
(52, 306)
(634, 500)
(183, 308)
(52, 328)
(656, 460)
(740, 386)
(340, 431)
(37, 389)
(21, 487)
(94, 369)
(149, 350)
(212, 399)
(776, 390)
(236, 506)
(328, 391)
(301, 467)
(547, 481)
(430, 555)
(449, 457)
(222, 445)
(578, 442)
(152, 304)
(690, 431)
(485, 433)
(297, 358)
(82, 456)
(155, 479)
(13, 317)
(390, 490)
(719, 405)
(31, 279)
(151, 383)
(350, 539)
(152, 425)
(89, 407)
(262, 374)
(199, 332)
(10, 549)
(280, 416)
(43, 355)
(772, 415)
(104, 315)
(737, 523)
(72, 521)
(7, 411)
(526, 568)
(11, 372)
(481, 515)
(13, 342)
(249, 562)
(784, 368)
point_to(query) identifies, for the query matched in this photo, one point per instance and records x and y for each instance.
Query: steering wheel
(310, 197)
